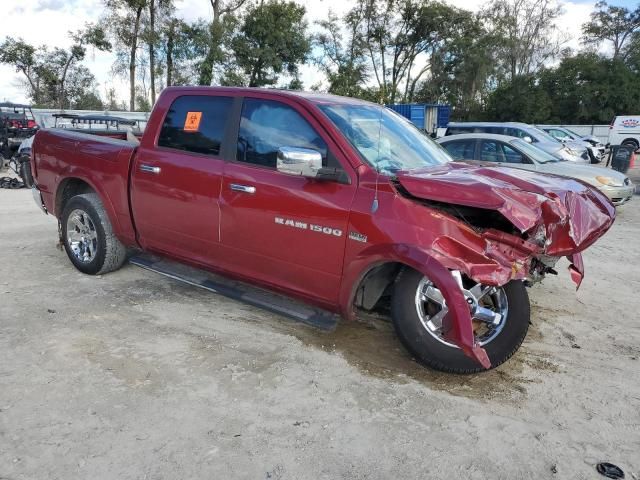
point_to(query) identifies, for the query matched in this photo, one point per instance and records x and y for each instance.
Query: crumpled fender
(457, 323)
(570, 214)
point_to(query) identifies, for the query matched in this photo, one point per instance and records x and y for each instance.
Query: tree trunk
(132, 61)
(206, 68)
(170, 41)
(152, 59)
(63, 80)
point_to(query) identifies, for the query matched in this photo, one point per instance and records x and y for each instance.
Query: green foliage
(609, 23)
(272, 39)
(343, 63)
(583, 89)
(520, 100)
(55, 78)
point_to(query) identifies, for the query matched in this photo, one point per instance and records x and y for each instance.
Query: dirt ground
(134, 376)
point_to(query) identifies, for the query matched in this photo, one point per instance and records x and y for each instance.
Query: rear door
(176, 179)
(284, 230)
(461, 149)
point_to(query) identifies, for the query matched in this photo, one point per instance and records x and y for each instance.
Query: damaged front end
(522, 224)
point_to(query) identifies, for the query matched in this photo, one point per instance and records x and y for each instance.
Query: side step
(257, 297)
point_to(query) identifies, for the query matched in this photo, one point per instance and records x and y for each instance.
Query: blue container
(425, 116)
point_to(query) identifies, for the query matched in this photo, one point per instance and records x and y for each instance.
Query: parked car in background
(625, 130)
(594, 146)
(570, 151)
(515, 152)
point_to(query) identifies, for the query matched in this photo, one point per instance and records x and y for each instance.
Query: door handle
(149, 169)
(236, 187)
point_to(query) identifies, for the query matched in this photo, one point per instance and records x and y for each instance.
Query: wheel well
(375, 283)
(70, 187)
(631, 141)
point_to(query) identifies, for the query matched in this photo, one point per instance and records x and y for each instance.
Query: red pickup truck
(334, 201)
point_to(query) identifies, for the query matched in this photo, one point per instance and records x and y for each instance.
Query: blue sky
(49, 21)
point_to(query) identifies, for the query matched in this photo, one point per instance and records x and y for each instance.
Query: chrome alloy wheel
(82, 236)
(488, 306)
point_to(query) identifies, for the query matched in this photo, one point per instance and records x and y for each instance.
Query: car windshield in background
(545, 136)
(538, 155)
(384, 139)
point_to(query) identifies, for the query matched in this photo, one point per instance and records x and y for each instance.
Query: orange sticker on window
(192, 122)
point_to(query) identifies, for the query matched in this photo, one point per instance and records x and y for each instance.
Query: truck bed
(62, 157)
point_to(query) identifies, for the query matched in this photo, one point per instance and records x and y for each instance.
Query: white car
(516, 153)
(625, 130)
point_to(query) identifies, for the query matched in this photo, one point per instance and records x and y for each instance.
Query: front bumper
(619, 195)
(37, 197)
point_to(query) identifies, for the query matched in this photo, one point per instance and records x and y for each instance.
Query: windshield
(538, 155)
(574, 135)
(385, 140)
(544, 135)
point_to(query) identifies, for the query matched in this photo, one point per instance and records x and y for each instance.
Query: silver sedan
(514, 152)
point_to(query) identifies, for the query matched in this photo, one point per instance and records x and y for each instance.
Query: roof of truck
(314, 97)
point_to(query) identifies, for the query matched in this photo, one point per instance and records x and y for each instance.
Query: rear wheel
(500, 318)
(88, 236)
(630, 142)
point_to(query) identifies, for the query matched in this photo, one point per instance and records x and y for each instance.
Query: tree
(55, 78)
(344, 64)
(462, 68)
(613, 24)
(22, 56)
(519, 100)
(182, 45)
(272, 39)
(156, 10)
(217, 30)
(588, 88)
(124, 22)
(528, 33)
(401, 37)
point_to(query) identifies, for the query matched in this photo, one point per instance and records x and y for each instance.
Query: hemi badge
(358, 237)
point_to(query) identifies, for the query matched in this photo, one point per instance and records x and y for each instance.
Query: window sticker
(192, 122)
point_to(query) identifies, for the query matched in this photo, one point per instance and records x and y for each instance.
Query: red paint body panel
(293, 234)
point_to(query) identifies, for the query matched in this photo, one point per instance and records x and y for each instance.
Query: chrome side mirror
(528, 139)
(303, 162)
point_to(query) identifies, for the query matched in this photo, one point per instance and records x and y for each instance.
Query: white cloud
(47, 22)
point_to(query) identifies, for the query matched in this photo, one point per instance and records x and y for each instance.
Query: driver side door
(284, 230)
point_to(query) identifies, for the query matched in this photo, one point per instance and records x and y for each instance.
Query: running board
(254, 296)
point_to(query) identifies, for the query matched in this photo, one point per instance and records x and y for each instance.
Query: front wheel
(500, 318)
(88, 236)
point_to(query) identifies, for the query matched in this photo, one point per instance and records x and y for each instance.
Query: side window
(516, 132)
(511, 155)
(461, 149)
(457, 130)
(559, 134)
(196, 123)
(267, 125)
(491, 151)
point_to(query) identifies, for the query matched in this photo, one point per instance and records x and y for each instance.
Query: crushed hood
(572, 214)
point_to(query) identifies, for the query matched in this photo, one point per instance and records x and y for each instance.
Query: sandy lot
(135, 376)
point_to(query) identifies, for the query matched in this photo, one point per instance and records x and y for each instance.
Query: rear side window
(457, 130)
(461, 150)
(267, 125)
(517, 132)
(196, 124)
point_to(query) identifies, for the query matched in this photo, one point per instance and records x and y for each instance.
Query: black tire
(631, 143)
(439, 356)
(110, 253)
(25, 172)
